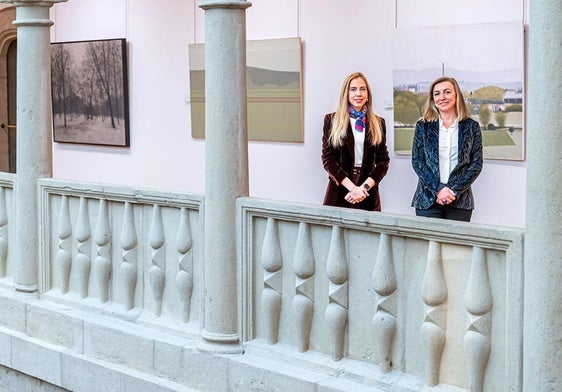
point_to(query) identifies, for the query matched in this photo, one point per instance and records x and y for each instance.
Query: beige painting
(274, 82)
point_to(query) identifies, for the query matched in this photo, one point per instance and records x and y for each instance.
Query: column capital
(209, 4)
(32, 12)
(36, 3)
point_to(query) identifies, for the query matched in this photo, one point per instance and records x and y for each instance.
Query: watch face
(366, 186)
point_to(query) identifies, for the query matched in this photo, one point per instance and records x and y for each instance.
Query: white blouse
(359, 142)
(448, 149)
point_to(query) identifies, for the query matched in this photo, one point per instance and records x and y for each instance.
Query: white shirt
(448, 149)
(359, 142)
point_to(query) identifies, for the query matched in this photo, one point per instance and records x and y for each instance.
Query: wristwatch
(366, 186)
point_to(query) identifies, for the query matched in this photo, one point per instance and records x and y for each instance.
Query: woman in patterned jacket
(446, 154)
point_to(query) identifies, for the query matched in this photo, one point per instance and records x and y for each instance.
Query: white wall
(164, 156)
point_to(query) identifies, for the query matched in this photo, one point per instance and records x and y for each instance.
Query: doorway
(8, 55)
(11, 126)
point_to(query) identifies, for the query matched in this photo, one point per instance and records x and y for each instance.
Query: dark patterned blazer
(339, 163)
(425, 161)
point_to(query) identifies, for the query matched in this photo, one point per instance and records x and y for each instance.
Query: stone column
(542, 370)
(226, 170)
(34, 131)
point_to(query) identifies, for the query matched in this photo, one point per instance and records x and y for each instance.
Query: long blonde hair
(340, 119)
(432, 114)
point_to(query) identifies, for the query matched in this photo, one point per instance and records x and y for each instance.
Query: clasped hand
(356, 195)
(445, 196)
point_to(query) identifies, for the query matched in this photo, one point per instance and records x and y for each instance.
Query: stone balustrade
(126, 252)
(441, 301)
(7, 261)
(386, 301)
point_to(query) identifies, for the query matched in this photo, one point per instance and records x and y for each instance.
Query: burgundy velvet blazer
(339, 163)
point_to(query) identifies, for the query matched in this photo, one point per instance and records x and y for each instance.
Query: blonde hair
(340, 119)
(432, 114)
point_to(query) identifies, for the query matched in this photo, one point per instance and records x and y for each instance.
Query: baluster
(128, 269)
(478, 299)
(272, 280)
(101, 270)
(64, 253)
(83, 260)
(336, 311)
(303, 302)
(3, 233)
(434, 292)
(184, 278)
(156, 272)
(384, 320)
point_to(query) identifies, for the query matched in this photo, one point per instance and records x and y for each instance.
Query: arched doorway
(8, 55)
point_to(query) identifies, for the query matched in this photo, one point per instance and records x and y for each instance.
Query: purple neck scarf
(359, 117)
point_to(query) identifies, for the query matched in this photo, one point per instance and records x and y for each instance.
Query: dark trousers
(445, 212)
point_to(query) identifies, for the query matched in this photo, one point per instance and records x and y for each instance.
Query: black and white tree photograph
(89, 91)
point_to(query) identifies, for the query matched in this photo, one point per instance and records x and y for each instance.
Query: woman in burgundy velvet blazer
(354, 151)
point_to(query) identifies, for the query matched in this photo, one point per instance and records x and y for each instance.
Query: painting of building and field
(489, 72)
(89, 92)
(274, 93)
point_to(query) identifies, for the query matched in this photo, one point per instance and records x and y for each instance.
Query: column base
(26, 288)
(218, 343)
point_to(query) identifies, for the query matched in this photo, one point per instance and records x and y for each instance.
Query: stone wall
(14, 381)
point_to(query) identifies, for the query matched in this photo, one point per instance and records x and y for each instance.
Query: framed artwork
(487, 62)
(274, 83)
(90, 92)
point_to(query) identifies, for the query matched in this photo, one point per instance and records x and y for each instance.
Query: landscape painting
(274, 90)
(90, 92)
(486, 60)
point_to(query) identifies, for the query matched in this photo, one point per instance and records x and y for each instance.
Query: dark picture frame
(89, 92)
